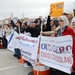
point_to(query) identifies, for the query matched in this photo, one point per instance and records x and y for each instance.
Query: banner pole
(39, 49)
(38, 57)
(39, 67)
(19, 44)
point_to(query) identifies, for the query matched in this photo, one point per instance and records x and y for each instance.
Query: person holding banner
(34, 28)
(73, 27)
(62, 30)
(65, 30)
(18, 30)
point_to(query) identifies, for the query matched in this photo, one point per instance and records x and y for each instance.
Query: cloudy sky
(29, 8)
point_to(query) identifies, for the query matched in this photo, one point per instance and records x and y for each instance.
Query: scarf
(61, 31)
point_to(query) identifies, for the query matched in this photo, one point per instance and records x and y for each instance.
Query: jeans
(17, 52)
(4, 40)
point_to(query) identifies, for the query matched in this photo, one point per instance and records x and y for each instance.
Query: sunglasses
(60, 20)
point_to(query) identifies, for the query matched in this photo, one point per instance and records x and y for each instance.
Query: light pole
(23, 16)
(11, 15)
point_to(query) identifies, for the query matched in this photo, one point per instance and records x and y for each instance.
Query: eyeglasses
(60, 20)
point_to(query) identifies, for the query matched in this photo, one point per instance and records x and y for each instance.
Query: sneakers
(15, 55)
(18, 57)
(25, 65)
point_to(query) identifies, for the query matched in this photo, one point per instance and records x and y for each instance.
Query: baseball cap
(36, 21)
(67, 12)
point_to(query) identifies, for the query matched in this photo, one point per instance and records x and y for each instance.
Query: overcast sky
(30, 8)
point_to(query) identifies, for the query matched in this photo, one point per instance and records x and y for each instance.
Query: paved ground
(9, 65)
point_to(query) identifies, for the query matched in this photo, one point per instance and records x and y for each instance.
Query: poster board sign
(56, 9)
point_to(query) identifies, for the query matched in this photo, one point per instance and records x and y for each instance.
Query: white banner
(29, 48)
(13, 42)
(56, 52)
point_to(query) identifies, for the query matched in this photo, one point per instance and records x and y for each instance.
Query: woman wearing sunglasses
(66, 30)
(62, 30)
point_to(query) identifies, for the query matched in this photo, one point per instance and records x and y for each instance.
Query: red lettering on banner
(57, 58)
(68, 60)
(47, 55)
(62, 60)
(27, 39)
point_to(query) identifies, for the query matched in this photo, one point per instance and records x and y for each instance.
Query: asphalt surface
(9, 64)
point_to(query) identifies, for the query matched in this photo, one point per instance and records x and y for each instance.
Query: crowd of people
(55, 27)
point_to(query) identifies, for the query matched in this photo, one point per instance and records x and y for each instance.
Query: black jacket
(48, 27)
(35, 32)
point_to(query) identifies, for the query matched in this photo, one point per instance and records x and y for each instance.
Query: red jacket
(69, 31)
(73, 52)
